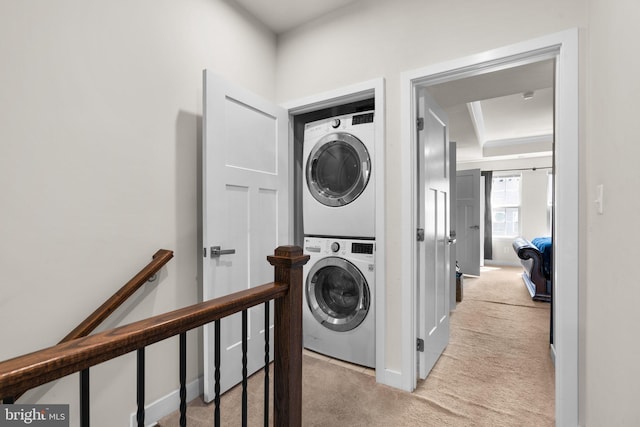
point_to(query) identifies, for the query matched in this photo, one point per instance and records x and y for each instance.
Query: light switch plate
(599, 199)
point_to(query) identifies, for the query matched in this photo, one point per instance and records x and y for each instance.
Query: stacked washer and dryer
(338, 208)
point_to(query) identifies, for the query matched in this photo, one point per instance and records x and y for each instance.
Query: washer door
(337, 294)
(338, 169)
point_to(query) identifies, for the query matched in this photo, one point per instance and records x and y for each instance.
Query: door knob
(216, 251)
(451, 240)
(475, 227)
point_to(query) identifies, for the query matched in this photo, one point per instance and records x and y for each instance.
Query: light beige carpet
(496, 371)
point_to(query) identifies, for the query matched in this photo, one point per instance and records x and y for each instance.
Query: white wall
(609, 307)
(100, 111)
(379, 38)
(534, 207)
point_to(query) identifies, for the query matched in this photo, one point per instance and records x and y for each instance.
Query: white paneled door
(245, 215)
(433, 284)
(468, 220)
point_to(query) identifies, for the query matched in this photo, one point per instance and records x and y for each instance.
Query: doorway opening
(365, 95)
(563, 49)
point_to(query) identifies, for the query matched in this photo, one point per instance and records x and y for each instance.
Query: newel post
(287, 365)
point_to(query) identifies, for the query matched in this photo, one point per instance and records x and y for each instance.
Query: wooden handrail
(40, 367)
(160, 258)
(31, 370)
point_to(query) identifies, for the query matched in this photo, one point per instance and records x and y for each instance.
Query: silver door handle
(451, 240)
(475, 227)
(216, 251)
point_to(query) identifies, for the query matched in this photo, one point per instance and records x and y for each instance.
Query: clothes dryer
(338, 196)
(339, 299)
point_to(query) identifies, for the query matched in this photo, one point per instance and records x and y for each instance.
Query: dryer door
(337, 294)
(338, 169)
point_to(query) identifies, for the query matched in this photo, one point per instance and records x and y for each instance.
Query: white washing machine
(338, 196)
(339, 299)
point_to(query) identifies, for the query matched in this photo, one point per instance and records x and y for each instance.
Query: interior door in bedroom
(468, 220)
(433, 206)
(245, 215)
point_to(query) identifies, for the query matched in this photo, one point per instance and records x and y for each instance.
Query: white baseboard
(502, 262)
(168, 404)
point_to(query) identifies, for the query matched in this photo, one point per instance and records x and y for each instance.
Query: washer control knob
(335, 247)
(335, 123)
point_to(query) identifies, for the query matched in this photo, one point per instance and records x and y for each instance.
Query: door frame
(564, 48)
(344, 95)
(453, 247)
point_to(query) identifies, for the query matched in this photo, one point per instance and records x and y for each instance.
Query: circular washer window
(337, 294)
(338, 169)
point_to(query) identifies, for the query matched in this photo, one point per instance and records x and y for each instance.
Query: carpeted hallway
(496, 371)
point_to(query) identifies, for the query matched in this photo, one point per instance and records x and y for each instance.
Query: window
(505, 206)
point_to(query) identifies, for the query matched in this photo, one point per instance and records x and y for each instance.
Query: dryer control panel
(362, 118)
(339, 247)
(362, 248)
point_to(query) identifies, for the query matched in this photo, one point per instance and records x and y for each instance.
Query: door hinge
(420, 123)
(204, 252)
(420, 235)
(420, 345)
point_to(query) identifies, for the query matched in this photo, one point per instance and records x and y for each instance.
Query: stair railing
(159, 259)
(88, 325)
(78, 355)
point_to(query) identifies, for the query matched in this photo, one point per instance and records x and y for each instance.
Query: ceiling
(283, 15)
(488, 116)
